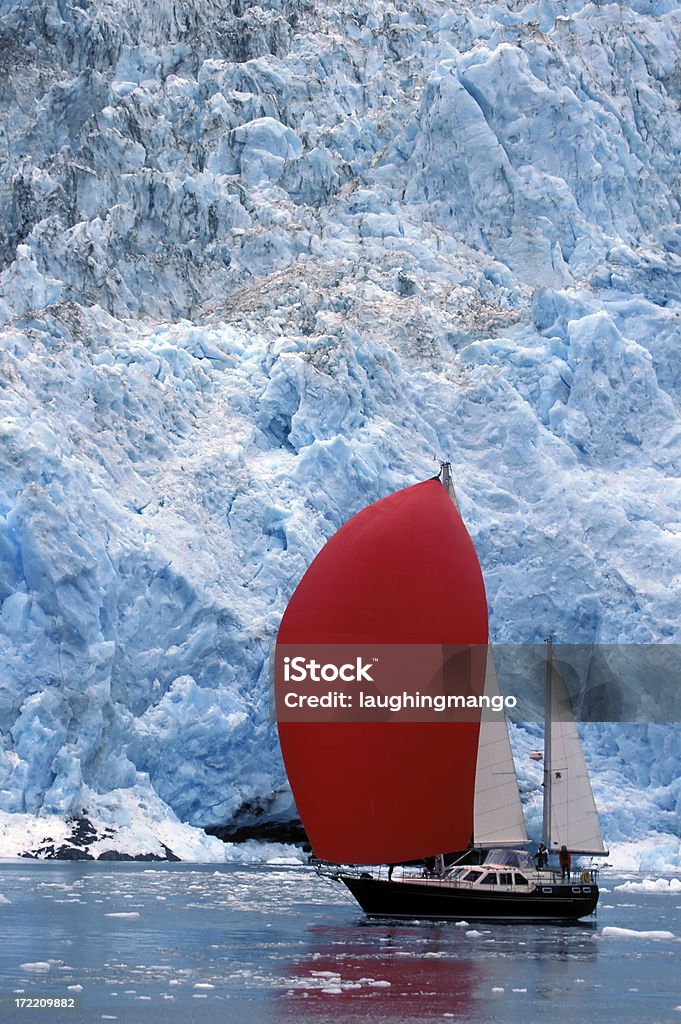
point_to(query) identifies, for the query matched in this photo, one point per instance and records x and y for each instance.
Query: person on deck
(565, 861)
(542, 856)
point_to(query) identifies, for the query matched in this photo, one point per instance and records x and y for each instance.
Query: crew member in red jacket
(565, 860)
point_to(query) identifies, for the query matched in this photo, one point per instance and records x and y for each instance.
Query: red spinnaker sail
(402, 571)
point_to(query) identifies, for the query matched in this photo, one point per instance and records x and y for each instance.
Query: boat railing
(577, 875)
(586, 875)
(405, 872)
(381, 872)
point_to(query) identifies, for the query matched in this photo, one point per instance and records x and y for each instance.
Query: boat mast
(447, 482)
(546, 823)
(570, 815)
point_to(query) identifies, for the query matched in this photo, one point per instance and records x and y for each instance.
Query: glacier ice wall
(259, 265)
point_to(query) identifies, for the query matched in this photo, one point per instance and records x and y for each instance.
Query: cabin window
(520, 880)
(490, 878)
(505, 879)
(472, 876)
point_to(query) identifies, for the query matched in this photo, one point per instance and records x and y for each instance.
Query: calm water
(171, 943)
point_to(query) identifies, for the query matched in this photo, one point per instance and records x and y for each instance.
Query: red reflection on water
(384, 980)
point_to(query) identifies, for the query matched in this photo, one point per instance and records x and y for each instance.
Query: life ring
(585, 876)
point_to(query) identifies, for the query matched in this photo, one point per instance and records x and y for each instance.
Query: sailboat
(383, 799)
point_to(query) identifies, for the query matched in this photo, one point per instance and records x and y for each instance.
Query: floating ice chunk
(612, 932)
(39, 965)
(652, 885)
(129, 913)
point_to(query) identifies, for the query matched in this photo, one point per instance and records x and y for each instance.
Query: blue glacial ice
(259, 267)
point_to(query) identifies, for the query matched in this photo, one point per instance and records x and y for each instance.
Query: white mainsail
(573, 817)
(498, 815)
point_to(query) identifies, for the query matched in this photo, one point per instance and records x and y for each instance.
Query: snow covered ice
(259, 266)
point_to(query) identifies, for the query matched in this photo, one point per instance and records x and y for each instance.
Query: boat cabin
(509, 868)
(479, 876)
